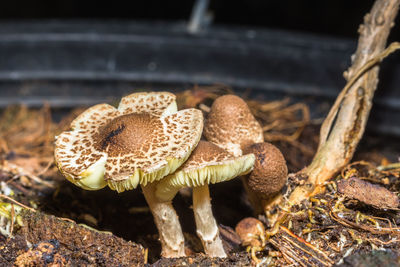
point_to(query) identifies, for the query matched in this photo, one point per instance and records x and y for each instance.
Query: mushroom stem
(207, 228)
(167, 222)
(254, 200)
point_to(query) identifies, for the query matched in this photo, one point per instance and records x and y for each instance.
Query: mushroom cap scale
(136, 143)
(153, 103)
(208, 164)
(231, 125)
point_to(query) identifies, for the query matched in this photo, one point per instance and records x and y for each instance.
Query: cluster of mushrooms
(146, 141)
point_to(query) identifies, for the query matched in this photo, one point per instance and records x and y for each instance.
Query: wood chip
(370, 194)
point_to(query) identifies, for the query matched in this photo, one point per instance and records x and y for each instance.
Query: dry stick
(21, 171)
(338, 142)
(345, 124)
(16, 202)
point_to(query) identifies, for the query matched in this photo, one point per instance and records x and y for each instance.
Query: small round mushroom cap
(270, 171)
(251, 231)
(231, 126)
(208, 164)
(141, 141)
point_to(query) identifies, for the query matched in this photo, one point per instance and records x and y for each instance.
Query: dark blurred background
(336, 18)
(77, 53)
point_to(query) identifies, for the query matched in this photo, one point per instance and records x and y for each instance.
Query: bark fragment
(370, 194)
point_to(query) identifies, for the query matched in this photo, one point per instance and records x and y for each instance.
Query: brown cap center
(127, 133)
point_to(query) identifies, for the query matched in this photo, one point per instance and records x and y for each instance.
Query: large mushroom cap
(231, 125)
(208, 164)
(270, 171)
(141, 141)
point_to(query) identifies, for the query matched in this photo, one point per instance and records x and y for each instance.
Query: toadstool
(270, 170)
(208, 164)
(231, 126)
(251, 231)
(140, 142)
(252, 234)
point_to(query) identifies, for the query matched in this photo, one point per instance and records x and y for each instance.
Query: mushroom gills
(144, 178)
(169, 186)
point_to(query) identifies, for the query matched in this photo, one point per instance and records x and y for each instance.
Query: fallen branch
(345, 123)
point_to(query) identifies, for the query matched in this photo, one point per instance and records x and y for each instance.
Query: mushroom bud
(270, 170)
(231, 126)
(251, 231)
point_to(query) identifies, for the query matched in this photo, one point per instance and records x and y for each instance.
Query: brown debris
(27, 132)
(45, 253)
(370, 194)
(298, 251)
(289, 127)
(230, 239)
(82, 245)
(322, 230)
(235, 259)
(199, 95)
(26, 145)
(10, 249)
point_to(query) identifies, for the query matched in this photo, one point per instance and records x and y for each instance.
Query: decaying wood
(339, 139)
(345, 123)
(370, 194)
(298, 251)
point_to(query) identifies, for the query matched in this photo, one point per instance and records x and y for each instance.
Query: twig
(382, 242)
(298, 250)
(46, 168)
(16, 202)
(313, 248)
(12, 222)
(340, 219)
(351, 224)
(9, 166)
(347, 168)
(326, 127)
(345, 123)
(392, 166)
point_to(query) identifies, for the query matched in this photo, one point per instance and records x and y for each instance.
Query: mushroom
(140, 142)
(270, 170)
(208, 164)
(252, 234)
(251, 231)
(231, 126)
